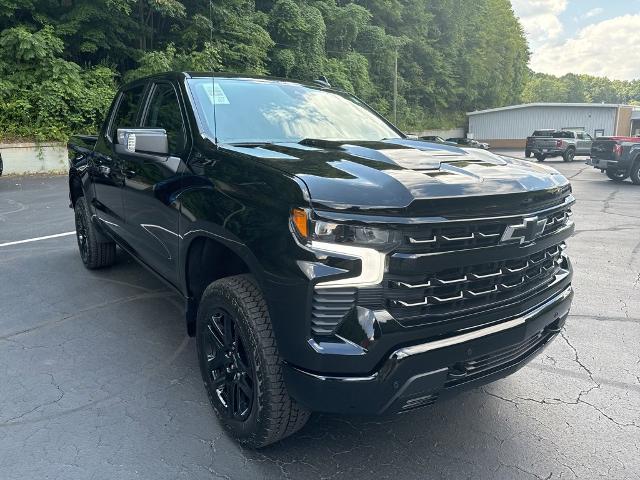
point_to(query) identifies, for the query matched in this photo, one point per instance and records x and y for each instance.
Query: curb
(33, 158)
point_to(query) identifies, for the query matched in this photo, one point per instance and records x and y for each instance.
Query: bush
(42, 96)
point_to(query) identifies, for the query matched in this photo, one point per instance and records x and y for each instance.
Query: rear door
(106, 168)
(153, 182)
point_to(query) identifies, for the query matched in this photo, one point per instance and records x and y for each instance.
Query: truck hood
(399, 174)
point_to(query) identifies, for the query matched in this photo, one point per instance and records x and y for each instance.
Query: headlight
(310, 230)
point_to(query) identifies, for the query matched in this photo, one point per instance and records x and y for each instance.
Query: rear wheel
(616, 175)
(527, 154)
(240, 364)
(94, 253)
(568, 155)
(635, 172)
(541, 157)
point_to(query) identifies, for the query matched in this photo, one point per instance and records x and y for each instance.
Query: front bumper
(417, 375)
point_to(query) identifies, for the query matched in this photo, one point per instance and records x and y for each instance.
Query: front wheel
(527, 154)
(616, 175)
(240, 364)
(94, 253)
(541, 157)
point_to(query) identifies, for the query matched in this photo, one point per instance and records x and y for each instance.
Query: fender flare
(226, 238)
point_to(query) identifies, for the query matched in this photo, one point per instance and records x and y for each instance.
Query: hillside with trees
(61, 60)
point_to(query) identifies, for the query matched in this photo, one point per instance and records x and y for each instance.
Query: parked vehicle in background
(538, 133)
(326, 262)
(1, 165)
(567, 144)
(436, 139)
(468, 142)
(618, 157)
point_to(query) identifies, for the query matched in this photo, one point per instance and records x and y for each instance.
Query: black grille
(330, 305)
(449, 293)
(479, 367)
(477, 234)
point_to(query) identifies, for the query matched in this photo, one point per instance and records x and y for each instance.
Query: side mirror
(144, 140)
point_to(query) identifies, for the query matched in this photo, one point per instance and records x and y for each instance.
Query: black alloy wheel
(228, 366)
(82, 234)
(240, 364)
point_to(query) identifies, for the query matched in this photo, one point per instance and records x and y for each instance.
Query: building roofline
(528, 105)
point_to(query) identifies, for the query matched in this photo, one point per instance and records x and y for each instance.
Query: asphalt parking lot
(98, 379)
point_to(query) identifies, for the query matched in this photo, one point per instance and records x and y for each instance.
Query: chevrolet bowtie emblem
(530, 229)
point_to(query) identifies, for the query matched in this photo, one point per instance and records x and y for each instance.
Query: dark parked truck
(618, 157)
(327, 263)
(567, 144)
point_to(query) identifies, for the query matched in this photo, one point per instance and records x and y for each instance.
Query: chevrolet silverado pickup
(618, 157)
(567, 144)
(326, 261)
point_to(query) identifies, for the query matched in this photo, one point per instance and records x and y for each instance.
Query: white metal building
(508, 127)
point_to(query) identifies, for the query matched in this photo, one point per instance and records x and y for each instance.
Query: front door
(152, 183)
(105, 166)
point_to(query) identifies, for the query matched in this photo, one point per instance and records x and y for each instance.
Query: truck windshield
(267, 111)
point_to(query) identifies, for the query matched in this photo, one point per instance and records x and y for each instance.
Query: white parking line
(37, 239)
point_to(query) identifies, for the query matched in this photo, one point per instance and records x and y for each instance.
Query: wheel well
(208, 261)
(75, 189)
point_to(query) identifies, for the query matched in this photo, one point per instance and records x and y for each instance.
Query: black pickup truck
(618, 157)
(327, 262)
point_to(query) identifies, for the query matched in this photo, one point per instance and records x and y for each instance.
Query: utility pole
(395, 91)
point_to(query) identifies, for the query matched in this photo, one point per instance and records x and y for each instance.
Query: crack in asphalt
(71, 316)
(147, 373)
(619, 228)
(603, 318)
(38, 407)
(579, 398)
(578, 172)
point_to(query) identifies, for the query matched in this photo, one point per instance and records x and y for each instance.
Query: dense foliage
(579, 89)
(61, 60)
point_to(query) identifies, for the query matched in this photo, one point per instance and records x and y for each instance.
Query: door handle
(104, 170)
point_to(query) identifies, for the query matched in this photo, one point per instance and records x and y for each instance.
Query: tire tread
(281, 415)
(100, 254)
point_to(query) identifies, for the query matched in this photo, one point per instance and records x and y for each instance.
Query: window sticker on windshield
(216, 94)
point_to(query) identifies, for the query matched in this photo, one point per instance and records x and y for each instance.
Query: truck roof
(175, 75)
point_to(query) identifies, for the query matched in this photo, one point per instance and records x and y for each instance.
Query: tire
(237, 353)
(568, 155)
(94, 253)
(541, 157)
(527, 154)
(635, 172)
(616, 176)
